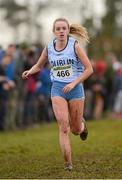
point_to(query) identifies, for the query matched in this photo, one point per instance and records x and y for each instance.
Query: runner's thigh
(60, 108)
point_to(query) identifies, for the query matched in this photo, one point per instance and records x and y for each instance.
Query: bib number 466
(63, 73)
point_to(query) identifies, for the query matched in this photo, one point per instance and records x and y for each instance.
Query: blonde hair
(76, 30)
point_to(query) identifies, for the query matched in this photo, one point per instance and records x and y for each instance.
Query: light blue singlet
(65, 66)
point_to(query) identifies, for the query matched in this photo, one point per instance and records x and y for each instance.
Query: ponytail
(79, 32)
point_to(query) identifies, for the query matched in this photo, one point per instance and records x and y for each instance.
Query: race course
(35, 154)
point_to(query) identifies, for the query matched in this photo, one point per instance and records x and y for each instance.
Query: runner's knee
(64, 128)
(76, 131)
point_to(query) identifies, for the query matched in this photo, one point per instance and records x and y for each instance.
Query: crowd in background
(24, 103)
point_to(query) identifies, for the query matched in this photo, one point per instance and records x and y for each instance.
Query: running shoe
(84, 134)
(68, 166)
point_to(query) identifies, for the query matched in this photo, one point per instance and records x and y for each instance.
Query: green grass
(35, 153)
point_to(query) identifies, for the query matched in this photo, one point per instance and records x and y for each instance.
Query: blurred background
(26, 27)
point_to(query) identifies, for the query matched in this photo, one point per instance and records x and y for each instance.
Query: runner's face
(61, 30)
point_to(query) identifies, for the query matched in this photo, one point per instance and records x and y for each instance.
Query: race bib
(60, 72)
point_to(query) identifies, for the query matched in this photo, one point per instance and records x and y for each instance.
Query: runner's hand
(68, 87)
(25, 74)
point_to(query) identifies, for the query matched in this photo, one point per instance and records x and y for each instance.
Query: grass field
(35, 153)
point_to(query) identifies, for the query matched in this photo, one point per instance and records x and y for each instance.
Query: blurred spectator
(100, 67)
(19, 56)
(30, 109)
(117, 91)
(45, 112)
(98, 87)
(8, 65)
(5, 86)
(3, 97)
